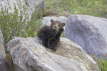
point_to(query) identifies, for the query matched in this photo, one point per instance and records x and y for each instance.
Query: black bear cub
(50, 35)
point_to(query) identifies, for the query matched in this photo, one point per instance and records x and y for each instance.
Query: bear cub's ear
(52, 21)
(63, 24)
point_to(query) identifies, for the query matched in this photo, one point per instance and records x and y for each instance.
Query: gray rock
(28, 55)
(24, 8)
(3, 66)
(2, 50)
(89, 32)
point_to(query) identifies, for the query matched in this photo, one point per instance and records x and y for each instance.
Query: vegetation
(12, 25)
(102, 64)
(90, 7)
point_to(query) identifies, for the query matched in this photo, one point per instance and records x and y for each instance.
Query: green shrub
(102, 64)
(12, 25)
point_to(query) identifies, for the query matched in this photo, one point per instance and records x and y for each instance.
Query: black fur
(49, 37)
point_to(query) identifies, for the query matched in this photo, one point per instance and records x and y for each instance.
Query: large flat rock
(29, 55)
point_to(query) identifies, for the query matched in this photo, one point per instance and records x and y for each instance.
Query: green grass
(103, 64)
(12, 25)
(90, 7)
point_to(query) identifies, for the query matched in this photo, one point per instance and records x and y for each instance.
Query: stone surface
(2, 50)
(3, 66)
(89, 32)
(24, 8)
(73, 51)
(29, 55)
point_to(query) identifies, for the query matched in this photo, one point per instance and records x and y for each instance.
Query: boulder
(29, 55)
(89, 32)
(3, 66)
(2, 49)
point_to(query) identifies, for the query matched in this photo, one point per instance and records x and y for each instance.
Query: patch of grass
(12, 25)
(33, 27)
(90, 7)
(102, 64)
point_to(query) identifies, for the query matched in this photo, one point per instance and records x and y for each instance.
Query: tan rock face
(73, 51)
(28, 55)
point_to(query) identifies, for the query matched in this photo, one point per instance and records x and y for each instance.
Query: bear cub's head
(56, 25)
